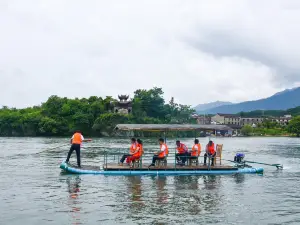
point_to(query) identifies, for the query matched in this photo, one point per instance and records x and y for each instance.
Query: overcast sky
(197, 50)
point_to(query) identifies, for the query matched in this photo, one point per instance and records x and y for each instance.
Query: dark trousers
(182, 157)
(189, 156)
(212, 158)
(124, 157)
(75, 147)
(155, 157)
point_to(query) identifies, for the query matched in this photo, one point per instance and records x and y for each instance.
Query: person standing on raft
(210, 152)
(76, 141)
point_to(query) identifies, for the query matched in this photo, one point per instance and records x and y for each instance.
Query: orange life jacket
(165, 152)
(196, 152)
(132, 148)
(182, 148)
(77, 139)
(211, 149)
(140, 151)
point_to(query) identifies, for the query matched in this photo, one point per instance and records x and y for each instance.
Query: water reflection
(73, 183)
(211, 197)
(186, 182)
(162, 193)
(239, 178)
(134, 189)
(211, 182)
(190, 184)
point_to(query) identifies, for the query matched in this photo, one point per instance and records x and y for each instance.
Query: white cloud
(197, 51)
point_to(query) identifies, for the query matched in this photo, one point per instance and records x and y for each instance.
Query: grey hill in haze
(283, 100)
(207, 106)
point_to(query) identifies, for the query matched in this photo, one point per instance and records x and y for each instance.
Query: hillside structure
(283, 121)
(221, 118)
(124, 105)
(202, 119)
(237, 121)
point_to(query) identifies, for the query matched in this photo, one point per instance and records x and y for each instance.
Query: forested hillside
(275, 113)
(61, 116)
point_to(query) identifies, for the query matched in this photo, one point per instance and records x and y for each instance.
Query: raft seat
(137, 163)
(161, 162)
(193, 160)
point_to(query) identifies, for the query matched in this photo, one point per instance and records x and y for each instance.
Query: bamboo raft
(114, 169)
(169, 169)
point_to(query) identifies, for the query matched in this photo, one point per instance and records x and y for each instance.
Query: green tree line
(275, 113)
(93, 116)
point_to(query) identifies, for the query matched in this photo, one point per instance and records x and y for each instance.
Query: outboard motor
(239, 157)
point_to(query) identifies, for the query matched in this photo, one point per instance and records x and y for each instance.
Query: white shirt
(185, 148)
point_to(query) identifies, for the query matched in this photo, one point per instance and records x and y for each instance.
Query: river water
(33, 189)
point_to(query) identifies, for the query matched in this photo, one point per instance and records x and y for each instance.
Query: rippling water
(35, 191)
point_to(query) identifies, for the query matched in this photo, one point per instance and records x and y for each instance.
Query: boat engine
(239, 157)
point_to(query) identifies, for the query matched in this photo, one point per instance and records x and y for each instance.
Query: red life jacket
(182, 148)
(211, 149)
(140, 151)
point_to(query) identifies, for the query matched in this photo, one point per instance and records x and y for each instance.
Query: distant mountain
(285, 91)
(205, 107)
(284, 100)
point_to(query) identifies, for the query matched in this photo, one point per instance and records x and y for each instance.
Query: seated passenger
(210, 152)
(131, 151)
(164, 151)
(182, 152)
(196, 150)
(138, 152)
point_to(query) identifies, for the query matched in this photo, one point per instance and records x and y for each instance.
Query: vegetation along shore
(94, 116)
(97, 116)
